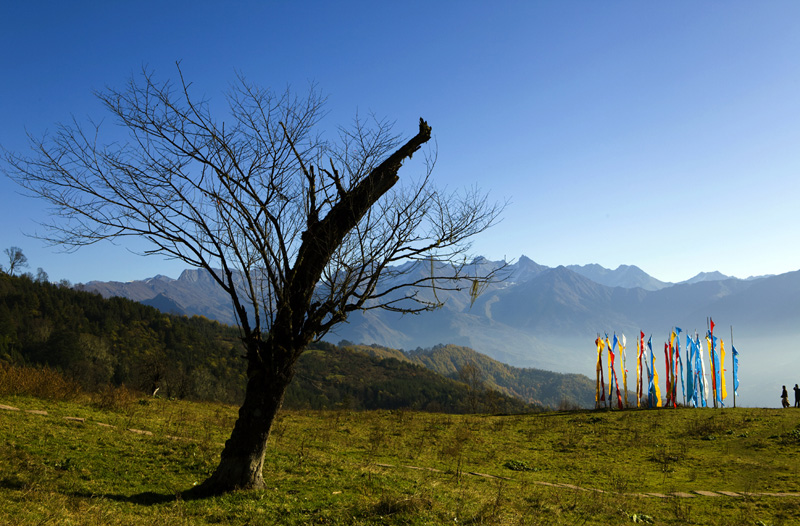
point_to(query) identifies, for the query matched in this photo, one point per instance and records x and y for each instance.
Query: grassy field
(397, 467)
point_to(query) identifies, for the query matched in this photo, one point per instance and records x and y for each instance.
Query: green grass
(332, 467)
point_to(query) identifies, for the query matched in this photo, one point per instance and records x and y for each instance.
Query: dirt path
(679, 494)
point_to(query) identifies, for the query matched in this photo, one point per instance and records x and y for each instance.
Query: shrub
(39, 382)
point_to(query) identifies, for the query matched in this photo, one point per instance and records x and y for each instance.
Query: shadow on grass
(146, 498)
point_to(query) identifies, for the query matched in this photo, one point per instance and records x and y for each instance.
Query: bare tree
(298, 231)
(41, 276)
(472, 375)
(16, 260)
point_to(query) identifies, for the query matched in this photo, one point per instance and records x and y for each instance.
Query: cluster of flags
(687, 367)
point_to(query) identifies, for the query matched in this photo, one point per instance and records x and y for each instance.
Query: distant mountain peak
(165, 304)
(524, 269)
(157, 277)
(707, 276)
(625, 276)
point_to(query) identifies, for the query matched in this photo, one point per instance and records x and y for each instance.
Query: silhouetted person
(785, 397)
(796, 396)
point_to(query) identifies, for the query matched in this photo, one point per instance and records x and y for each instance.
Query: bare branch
(297, 245)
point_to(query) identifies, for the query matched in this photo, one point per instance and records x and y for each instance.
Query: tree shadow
(146, 498)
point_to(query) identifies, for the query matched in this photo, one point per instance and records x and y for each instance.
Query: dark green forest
(100, 342)
(337, 377)
(116, 341)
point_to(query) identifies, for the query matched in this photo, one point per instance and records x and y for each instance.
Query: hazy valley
(547, 318)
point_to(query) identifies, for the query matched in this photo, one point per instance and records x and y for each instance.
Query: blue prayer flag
(735, 371)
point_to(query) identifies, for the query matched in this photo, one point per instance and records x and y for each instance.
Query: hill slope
(532, 385)
(330, 377)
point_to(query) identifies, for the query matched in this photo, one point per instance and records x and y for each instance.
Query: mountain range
(548, 318)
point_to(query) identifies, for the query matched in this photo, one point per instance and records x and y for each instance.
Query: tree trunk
(242, 458)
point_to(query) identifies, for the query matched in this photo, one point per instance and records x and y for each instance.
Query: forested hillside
(535, 386)
(117, 341)
(330, 377)
(100, 341)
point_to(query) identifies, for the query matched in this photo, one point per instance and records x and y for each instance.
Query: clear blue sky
(659, 134)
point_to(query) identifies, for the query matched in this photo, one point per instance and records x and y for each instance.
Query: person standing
(796, 396)
(784, 397)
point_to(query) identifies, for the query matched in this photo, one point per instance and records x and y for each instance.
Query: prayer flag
(722, 369)
(655, 373)
(668, 371)
(624, 369)
(702, 370)
(717, 369)
(710, 342)
(735, 371)
(597, 373)
(609, 365)
(679, 360)
(638, 374)
(650, 390)
(690, 390)
(614, 376)
(641, 353)
(600, 380)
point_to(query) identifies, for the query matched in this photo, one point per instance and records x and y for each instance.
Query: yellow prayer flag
(655, 383)
(600, 346)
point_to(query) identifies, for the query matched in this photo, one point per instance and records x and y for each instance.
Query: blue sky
(663, 135)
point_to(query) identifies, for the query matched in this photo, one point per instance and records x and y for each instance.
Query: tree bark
(242, 459)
